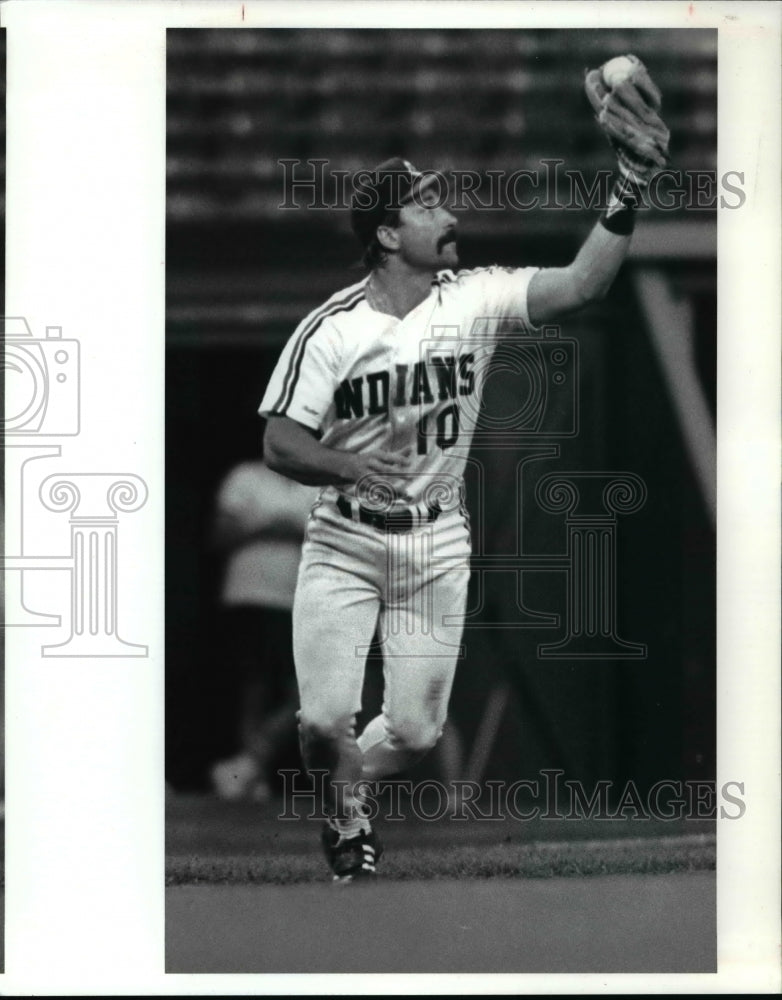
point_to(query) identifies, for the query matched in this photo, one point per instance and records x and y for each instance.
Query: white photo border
(85, 232)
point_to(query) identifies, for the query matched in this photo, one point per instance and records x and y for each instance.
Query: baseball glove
(628, 114)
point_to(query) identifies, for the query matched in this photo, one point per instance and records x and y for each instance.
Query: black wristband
(619, 217)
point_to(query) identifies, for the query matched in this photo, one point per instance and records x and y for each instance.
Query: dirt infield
(603, 924)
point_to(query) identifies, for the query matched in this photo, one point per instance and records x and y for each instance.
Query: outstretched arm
(556, 291)
(626, 102)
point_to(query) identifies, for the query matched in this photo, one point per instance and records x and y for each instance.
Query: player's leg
(421, 631)
(334, 618)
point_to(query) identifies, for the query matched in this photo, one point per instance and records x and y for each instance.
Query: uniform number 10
(447, 433)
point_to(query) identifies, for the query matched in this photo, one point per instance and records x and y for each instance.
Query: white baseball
(617, 70)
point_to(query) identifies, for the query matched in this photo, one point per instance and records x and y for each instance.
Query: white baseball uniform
(393, 552)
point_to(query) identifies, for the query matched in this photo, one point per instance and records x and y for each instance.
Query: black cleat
(351, 859)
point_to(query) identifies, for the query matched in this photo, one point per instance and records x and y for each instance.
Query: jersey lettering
(378, 392)
(401, 385)
(371, 393)
(349, 399)
(448, 427)
(467, 374)
(421, 435)
(445, 369)
(422, 392)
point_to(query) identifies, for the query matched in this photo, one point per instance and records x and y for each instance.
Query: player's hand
(378, 463)
(627, 103)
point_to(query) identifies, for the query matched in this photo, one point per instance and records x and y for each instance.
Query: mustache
(446, 238)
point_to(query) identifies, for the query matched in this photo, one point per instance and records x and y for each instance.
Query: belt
(400, 521)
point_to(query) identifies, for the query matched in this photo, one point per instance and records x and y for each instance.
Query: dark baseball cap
(381, 192)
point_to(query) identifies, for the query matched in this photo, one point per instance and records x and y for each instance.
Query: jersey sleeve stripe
(349, 302)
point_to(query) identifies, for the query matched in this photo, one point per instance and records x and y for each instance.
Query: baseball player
(374, 399)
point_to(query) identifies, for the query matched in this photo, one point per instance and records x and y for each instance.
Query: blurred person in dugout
(259, 524)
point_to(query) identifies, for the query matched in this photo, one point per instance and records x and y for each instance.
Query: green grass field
(209, 842)
(249, 892)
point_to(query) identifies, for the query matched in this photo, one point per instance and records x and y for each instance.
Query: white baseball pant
(412, 587)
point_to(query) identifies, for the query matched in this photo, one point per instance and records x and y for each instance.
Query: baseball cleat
(351, 859)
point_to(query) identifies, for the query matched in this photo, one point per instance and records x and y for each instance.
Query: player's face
(427, 232)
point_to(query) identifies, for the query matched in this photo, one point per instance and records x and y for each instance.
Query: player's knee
(414, 737)
(325, 727)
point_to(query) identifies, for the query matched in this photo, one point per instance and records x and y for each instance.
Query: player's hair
(375, 254)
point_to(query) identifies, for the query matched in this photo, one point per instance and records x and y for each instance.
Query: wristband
(619, 217)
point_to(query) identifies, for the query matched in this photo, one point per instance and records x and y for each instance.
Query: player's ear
(387, 237)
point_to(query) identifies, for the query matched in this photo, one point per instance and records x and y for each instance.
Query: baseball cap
(382, 191)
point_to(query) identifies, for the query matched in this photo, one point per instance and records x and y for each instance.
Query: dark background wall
(241, 273)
